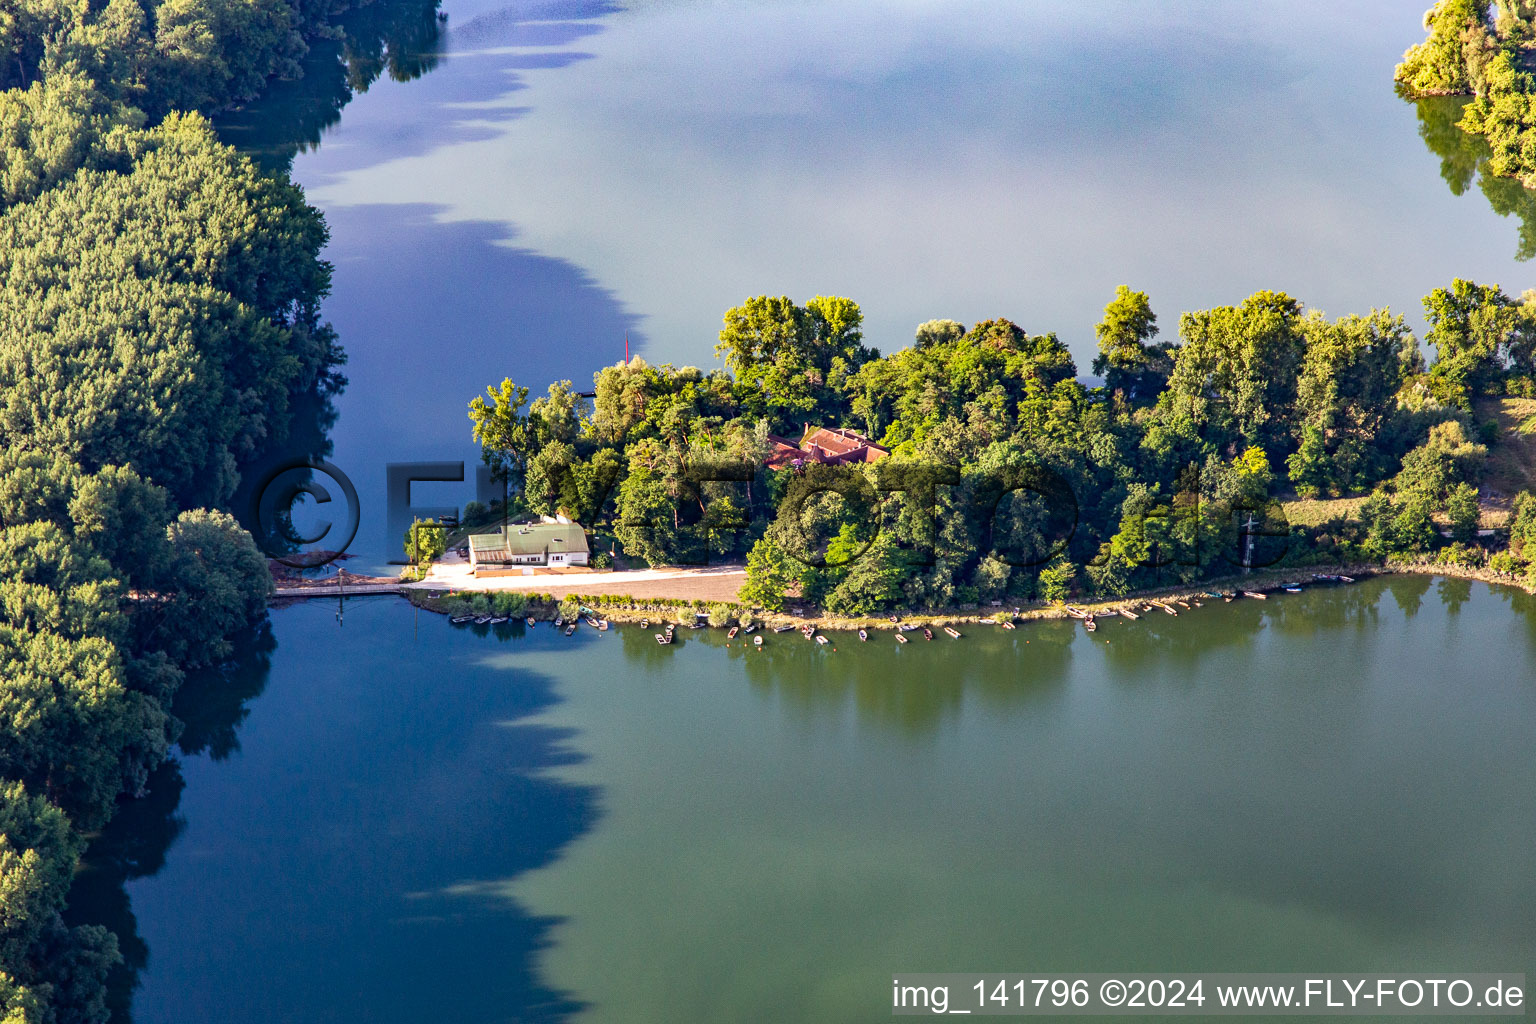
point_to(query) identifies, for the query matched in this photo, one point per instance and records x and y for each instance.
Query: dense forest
(159, 331)
(1487, 53)
(1009, 478)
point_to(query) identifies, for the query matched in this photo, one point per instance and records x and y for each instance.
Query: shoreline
(629, 609)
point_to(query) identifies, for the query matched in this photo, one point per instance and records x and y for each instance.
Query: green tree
(38, 850)
(1235, 376)
(1472, 327)
(69, 726)
(1451, 59)
(1346, 400)
(1056, 581)
(425, 542)
(217, 584)
(501, 428)
(1462, 509)
(1127, 360)
(872, 582)
(1522, 526)
(770, 573)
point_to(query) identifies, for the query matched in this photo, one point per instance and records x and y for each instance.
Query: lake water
(428, 822)
(381, 817)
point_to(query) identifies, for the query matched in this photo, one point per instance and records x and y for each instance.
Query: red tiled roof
(820, 444)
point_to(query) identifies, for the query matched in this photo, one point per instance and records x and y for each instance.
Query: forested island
(998, 474)
(159, 330)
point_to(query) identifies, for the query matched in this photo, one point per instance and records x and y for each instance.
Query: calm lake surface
(385, 819)
(428, 822)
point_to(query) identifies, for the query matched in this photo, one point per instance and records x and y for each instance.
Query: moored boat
(782, 629)
(1089, 624)
(1256, 593)
(731, 633)
(1008, 624)
(820, 639)
(570, 630)
(927, 633)
(900, 638)
(863, 635)
(757, 641)
(954, 634)
(1133, 616)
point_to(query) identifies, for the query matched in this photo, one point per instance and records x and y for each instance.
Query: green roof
(530, 539)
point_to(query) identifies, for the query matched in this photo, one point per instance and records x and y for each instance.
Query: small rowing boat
(459, 620)
(481, 620)
(1256, 593)
(863, 635)
(569, 630)
(1008, 624)
(757, 641)
(663, 639)
(927, 633)
(731, 634)
(1089, 624)
(645, 623)
(821, 639)
(900, 638)
(782, 629)
(954, 634)
(529, 621)
(1133, 616)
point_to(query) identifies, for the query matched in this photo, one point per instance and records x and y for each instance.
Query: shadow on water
(211, 704)
(1463, 162)
(360, 808)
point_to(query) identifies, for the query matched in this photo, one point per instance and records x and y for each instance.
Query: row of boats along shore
(905, 632)
(1171, 605)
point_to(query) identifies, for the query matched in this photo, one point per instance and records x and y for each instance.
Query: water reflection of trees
(918, 686)
(211, 705)
(1463, 161)
(394, 37)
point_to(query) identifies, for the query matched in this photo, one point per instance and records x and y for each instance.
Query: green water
(429, 822)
